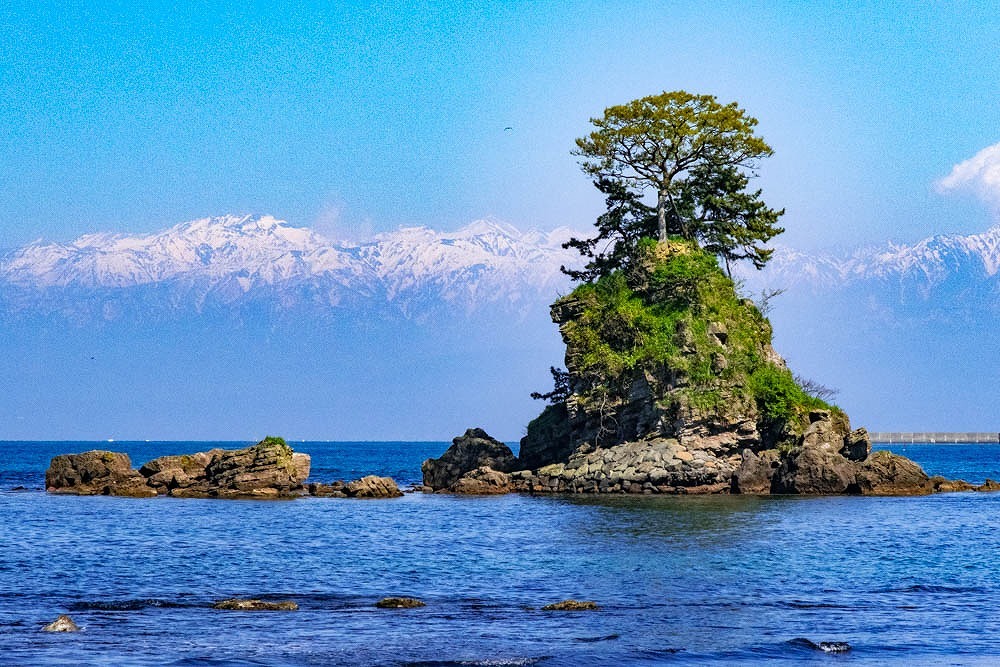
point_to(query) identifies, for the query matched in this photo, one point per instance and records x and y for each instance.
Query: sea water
(680, 580)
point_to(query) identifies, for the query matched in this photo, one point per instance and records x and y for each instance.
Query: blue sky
(356, 117)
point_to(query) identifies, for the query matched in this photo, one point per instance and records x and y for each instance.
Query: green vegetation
(698, 156)
(675, 310)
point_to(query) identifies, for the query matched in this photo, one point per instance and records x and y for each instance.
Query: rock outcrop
(96, 472)
(829, 459)
(269, 469)
(483, 481)
(372, 486)
(475, 449)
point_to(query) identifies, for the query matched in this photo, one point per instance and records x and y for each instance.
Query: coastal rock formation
(482, 481)
(372, 486)
(672, 386)
(269, 469)
(468, 452)
(174, 475)
(96, 472)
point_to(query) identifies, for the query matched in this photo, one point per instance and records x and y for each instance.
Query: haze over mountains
(235, 325)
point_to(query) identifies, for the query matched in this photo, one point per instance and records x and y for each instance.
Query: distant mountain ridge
(230, 261)
(920, 269)
(233, 259)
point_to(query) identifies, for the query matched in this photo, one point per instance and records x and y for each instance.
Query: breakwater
(912, 437)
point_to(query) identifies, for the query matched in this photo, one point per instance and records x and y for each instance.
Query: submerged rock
(572, 605)
(399, 603)
(62, 624)
(825, 647)
(475, 449)
(246, 604)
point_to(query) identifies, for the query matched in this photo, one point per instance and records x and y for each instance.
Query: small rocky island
(673, 387)
(671, 382)
(269, 469)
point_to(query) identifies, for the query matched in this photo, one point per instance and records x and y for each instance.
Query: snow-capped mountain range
(922, 266)
(230, 259)
(233, 260)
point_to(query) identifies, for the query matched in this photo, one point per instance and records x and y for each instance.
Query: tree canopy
(698, 157)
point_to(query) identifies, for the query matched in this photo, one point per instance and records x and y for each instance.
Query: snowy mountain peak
(484, 262)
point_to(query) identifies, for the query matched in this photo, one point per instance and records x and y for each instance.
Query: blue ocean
(680, 580)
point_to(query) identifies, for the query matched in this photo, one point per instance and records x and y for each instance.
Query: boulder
(756, 472)
(468, 452)
(814, 471)
(483, 481)
(372, 486)
(399, 603)
(95, 472)
(62, 624)
(245, 604)
(887, 474)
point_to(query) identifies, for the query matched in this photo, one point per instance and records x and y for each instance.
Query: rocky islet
(673, 387)
(267, 470)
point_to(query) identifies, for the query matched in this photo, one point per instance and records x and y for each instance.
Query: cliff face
(668, 351)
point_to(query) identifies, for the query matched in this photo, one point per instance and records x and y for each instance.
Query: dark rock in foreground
(399, 603)
(572, 605)
(243, 604)
(62, 624)
(269, 469)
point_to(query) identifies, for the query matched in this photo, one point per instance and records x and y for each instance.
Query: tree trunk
(661, 214)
